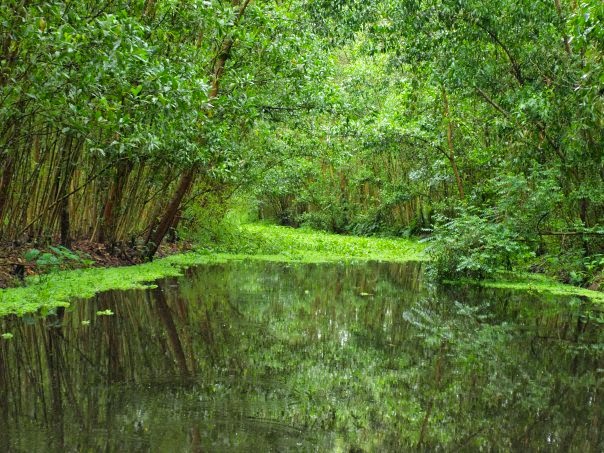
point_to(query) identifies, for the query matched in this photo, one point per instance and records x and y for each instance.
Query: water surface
(252, 356)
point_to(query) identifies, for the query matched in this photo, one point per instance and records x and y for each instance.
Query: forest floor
(44, 292)
(14, 266)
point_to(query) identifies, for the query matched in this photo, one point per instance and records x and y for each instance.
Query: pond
(255, 356)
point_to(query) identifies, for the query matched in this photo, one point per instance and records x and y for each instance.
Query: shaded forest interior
(124, 123)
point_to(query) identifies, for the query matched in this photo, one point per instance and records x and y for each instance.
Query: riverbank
(259, 242)
(536, 283)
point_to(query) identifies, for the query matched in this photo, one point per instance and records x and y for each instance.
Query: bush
(472, 246)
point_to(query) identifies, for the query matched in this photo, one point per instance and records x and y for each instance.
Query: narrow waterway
(252, 356)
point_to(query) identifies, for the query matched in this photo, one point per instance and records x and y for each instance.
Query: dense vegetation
(48, 291)
(117, 115)
(479, 123)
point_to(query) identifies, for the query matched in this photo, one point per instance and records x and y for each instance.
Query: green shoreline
(260, 242)
(535, 283)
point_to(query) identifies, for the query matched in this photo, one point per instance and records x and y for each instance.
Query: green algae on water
(541, 284)
(256, 242)
(261, 242)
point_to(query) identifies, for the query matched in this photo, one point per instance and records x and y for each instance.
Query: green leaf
(136, 90)
(32, 254)
(107, 312)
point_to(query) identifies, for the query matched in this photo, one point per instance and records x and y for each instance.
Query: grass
(253, 241)
(260, 242)
(303, 245)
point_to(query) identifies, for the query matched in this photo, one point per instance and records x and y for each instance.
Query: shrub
(472, 246)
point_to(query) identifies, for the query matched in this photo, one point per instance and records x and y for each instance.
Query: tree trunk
(188, 177)
(451, 146)
(185, 183)
(65, 224)
(64, 181)
(7, 175)
(107, 233)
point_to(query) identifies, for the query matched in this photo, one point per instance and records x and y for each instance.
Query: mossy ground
(259, 242)
(254, 241)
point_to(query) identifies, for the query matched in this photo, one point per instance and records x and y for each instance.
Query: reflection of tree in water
(502, 387)
(281, 355)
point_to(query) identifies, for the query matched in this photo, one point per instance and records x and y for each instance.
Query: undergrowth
(259, 242)
(252, 241)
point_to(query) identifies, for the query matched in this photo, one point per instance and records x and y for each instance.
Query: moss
(311, 245)
(268, 243)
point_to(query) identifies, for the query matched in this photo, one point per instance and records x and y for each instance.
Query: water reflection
(275, 357)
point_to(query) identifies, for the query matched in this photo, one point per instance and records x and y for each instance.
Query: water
(260, 357)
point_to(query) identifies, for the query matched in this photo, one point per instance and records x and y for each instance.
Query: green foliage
(314, 246)
(252, 242)
(214, 221)
(259, 242)
(114, 100)
(363, 117)
(572, 265)
(59, 257)
(349, 173)
(107, 312)
(471, 246)
(497, 103)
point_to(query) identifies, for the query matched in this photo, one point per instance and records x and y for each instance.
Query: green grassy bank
(259, 242)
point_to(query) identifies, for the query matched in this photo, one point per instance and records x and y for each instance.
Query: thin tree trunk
(65, 224)
(7, 175)
(107, 231)
(450, 143)
(63, 183)
(185, 183)
(72, 147)
(188, 177)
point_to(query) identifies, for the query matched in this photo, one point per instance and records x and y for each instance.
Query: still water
(260, 357)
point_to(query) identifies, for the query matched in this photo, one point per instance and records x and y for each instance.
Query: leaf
(32, 254)
(136, 90)
(47, 259)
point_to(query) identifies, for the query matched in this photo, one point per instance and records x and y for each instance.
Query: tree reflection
(305, 357)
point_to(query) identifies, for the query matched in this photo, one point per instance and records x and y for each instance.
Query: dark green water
(257, 357)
